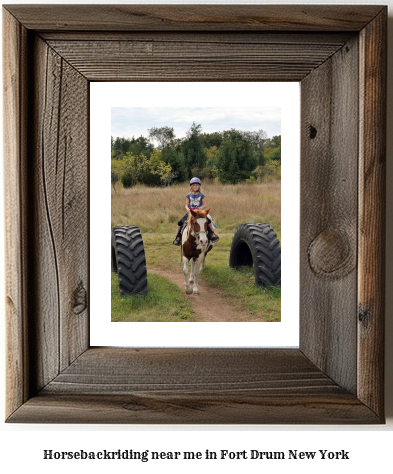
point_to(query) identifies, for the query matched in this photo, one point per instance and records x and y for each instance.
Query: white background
(103, 96)
(21, 446)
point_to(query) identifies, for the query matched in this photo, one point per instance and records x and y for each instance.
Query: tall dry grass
(158, 209)
(156, 212)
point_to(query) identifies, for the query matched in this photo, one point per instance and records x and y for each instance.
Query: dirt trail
(215, 307)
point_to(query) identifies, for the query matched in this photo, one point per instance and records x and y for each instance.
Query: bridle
(195, 245)
(194, 230)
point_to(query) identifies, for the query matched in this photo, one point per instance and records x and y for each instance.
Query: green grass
(162, 294)
(231, 206)
(239, 288)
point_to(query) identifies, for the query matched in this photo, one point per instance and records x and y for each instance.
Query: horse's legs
(191, 280)
(196, 274)
(185, 271)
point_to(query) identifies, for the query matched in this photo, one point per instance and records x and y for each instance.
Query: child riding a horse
(194, 200)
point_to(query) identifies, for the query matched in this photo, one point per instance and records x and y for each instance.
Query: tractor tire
(256, 245)
(128, 259)
(113, 253)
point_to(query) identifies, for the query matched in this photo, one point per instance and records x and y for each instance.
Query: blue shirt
(195, 200)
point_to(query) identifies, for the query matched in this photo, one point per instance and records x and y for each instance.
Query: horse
(196, 245)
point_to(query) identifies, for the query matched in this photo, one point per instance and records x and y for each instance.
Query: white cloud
(135, 121)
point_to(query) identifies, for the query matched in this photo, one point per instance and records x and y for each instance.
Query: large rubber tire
(128, 259)
(256, 245)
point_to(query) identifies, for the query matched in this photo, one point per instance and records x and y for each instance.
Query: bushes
(231, 157)
(117, 170)
(126, 180)
(271, 170)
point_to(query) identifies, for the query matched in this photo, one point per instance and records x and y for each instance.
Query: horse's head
(198, 224)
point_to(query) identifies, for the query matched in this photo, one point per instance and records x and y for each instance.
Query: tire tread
(127, 246)
(265, 250)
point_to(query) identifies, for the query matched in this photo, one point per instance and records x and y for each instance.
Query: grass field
(156, 212)
(143, 308)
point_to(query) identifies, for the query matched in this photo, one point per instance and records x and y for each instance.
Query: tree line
(230, 156)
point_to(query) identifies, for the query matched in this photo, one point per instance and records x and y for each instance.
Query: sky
(135, 121)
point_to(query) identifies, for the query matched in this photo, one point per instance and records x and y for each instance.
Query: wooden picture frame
(338, 54)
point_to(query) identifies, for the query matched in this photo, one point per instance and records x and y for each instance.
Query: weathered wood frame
(338, 54)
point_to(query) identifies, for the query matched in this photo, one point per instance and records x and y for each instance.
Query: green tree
(236, 158)
(193, 151)
(175, 159)
(140, 146)
(155, 160)
(276, 155)
(165, 173)
(275, 141)
(136, 146)
(117, 169)
(211, 153)
(120, 146)
(211, 139)
(210, 171)
(134, 166)
(255, 138)
(271, 170)
(164, 135)
(114, 179)
(271, 143)
(260, 158)
(148, 175)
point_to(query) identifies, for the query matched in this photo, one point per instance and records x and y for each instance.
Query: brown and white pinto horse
(195, 247)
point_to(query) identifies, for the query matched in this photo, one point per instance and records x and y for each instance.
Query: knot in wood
(80, 299)
(364, 316)
(313, 132)
(330, 254)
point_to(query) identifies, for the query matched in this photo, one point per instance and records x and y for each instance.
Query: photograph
(196, 214)
(210, 149)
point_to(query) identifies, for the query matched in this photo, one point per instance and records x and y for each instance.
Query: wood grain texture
(372, 199)
(52, 374)
(14, 149)
(193, 386)
(187, 59)
(186, 371)
(201, 37)
(194, 409)
(59, 188)
(195, 17)
(329, 175)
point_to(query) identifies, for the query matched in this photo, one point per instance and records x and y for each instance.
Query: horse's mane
(199, 212)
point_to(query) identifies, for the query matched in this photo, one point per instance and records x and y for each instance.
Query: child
(195, 200)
